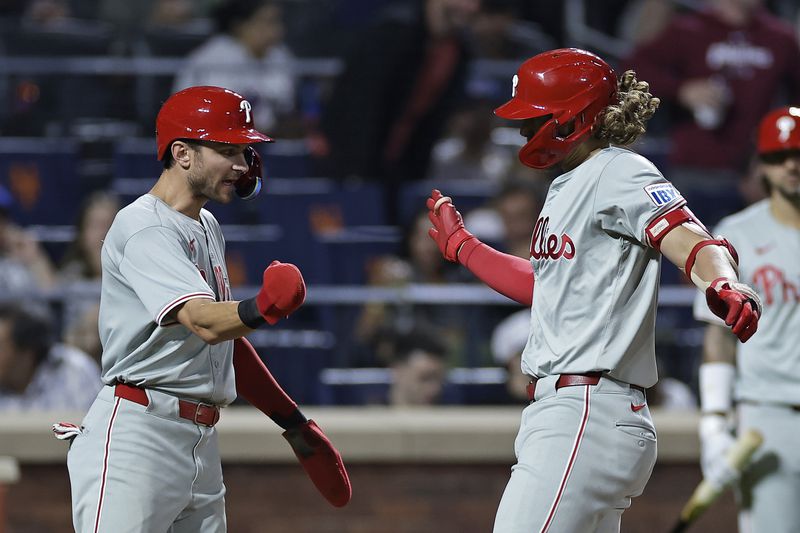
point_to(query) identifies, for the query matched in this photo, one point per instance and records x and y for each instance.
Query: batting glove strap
(735, 303)
(733, 256)
(321, 461)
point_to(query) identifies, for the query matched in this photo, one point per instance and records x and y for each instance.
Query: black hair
(31, 328)
(230, 13)
(424, 338)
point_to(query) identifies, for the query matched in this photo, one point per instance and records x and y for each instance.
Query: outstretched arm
(320, 459)
(509, 275)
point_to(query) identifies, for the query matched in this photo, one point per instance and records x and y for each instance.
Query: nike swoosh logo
(636, 408)
(761, 250)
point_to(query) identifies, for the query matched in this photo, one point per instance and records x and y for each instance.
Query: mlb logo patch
(662, 193)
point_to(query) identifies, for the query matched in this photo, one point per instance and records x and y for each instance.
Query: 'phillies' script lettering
(548, 245)
(772, 285)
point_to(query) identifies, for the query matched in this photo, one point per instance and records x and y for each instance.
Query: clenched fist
(735, 303)
(283, 290)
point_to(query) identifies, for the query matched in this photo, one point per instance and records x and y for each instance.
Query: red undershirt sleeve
(509, 275)
(254, 382)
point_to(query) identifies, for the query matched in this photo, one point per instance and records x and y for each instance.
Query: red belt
(200, 413)
(571, 380)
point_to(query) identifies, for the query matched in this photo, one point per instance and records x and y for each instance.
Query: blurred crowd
(380, 92)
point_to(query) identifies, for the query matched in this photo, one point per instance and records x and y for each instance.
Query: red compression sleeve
(509, 275)
(255, 383)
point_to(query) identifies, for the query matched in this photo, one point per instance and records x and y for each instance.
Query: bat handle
(680, 527)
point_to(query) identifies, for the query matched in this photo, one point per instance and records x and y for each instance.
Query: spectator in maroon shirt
(719, 69)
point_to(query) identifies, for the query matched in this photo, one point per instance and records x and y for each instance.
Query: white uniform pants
(769, 495)
(144, 469)
(582, 453)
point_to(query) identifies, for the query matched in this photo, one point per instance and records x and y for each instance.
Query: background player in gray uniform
(587, 444)
(146, 456)
(763, 376)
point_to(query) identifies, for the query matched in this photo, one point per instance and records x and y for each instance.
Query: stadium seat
(42, 176)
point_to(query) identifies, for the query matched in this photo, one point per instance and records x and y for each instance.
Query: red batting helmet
(208, 114)
(568, 84)
(779, 130)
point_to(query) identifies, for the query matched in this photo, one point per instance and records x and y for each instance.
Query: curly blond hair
(623, 123)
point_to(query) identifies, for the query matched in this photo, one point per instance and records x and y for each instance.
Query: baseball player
(762, 378)
(586, 443)
(145, 457)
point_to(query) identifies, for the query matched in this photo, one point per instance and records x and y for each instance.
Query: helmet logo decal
(514, 83)
(245, 106)
(785, 125)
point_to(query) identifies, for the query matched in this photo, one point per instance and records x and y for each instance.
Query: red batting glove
(282, 291)
(735, 303)
(448, 227)
(321, 461)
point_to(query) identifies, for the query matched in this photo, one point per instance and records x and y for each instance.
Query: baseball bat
(705, 494)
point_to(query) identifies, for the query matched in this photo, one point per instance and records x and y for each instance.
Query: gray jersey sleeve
(631, 193)
(160, 271)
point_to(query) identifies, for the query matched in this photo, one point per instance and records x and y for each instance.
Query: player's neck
(177, 196)
(785, 211)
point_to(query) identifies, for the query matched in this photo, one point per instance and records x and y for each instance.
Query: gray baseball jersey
(154, 259)
(594, 305)
(137, 467)
(769, 261)
(583, 452)
(768, 367)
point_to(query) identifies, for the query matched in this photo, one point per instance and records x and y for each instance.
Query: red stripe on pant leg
(571, 463)
(105, 465)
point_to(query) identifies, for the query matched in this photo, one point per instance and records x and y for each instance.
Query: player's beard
(205, 186)
(789, 193)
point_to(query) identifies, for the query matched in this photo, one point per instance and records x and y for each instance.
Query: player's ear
(180, 151)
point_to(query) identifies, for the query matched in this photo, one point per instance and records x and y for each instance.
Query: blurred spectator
(36, 373)
(418, 368)
(399, 86)
(130, 18)
(24, 265)
(247, 55)
(642, 20)
(499, 33)
(420, 262)
(509, 218)
(720, 69)
(82, 331)
(467, 152)
(81, 265)
(81, 261)
(508, 340)
(173, 13)
(48, 13)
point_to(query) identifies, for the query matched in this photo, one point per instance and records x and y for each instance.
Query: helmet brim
(516, 109)
(246, 136)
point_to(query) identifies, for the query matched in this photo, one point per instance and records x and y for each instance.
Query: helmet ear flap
(249, 184)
